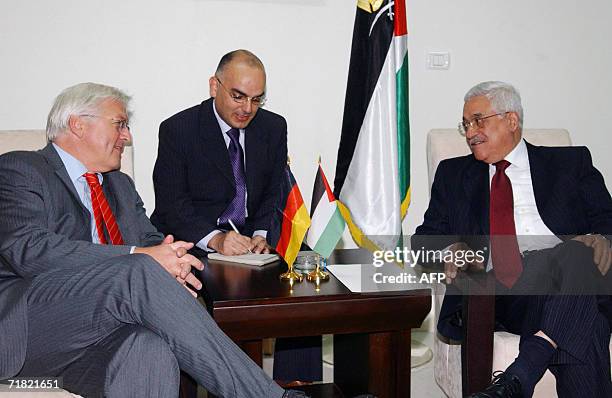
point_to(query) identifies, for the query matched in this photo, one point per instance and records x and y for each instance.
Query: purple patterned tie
(236, 209)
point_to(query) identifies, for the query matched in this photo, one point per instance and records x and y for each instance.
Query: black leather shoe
(295, 394)
(503, 386)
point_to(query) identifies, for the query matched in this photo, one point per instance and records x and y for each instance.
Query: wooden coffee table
(371, 330)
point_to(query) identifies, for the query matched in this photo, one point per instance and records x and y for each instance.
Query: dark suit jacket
(44, 227)
(570, 194)
(193, 177)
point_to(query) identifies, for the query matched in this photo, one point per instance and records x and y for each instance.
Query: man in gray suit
(114, 319)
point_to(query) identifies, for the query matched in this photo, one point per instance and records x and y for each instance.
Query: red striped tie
(102, 211)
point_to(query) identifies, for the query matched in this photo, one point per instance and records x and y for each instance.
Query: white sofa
(447, 143)
(12, 140)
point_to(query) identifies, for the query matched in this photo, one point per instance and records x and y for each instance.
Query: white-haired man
(542, 213)
(89, 290)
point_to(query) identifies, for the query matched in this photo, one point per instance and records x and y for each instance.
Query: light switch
(438, 60)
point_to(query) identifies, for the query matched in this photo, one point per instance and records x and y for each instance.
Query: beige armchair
(12, 140)
(447, 143)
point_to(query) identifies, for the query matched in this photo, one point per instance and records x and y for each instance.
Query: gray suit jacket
(43, 227)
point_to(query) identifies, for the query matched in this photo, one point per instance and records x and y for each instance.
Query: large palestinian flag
(372, 179)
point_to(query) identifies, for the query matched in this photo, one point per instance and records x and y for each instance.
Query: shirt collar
(73, 166)
(518, 156)
(224, 126)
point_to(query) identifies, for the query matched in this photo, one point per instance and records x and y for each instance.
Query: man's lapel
(54, 160)
(542, 178)
(255, 153)
(110, 192)
(60, 170)
(476, 184)
(113, 197)
(213, 145)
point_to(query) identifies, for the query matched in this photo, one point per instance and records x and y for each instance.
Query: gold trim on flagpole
(369, 5)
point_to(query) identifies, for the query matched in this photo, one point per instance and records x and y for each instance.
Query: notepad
(250, 259)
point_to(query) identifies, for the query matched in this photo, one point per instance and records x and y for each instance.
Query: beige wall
(162, 52)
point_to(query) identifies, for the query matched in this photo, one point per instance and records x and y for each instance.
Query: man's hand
(451, 269)
(230, 243)
(259, 245)
(173, 257)
(602, 253)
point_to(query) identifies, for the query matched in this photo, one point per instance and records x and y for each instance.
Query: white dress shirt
(531, 232)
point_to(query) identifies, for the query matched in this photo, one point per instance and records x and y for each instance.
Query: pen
(236, 230)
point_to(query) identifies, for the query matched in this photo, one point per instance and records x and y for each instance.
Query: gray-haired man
(89, 290)
(546, 215)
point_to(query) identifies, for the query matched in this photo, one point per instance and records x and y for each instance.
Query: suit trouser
(298, 358)
(76, 315)
(548, 299)
(130, 362)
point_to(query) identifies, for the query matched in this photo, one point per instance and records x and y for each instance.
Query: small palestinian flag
(327, 223)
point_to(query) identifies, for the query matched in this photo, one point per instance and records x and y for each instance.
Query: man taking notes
(221, 161)
(89, 290)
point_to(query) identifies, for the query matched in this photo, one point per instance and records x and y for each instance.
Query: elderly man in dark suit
(543, 214)
(220, 162)
(89, 290)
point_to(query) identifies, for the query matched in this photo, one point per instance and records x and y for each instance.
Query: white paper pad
(250, 259)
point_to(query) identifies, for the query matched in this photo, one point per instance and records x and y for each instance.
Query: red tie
(102, 211)
(507, 263)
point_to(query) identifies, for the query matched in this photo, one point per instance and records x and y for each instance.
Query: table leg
(477, 346)
(402, 348)
(253, 349)
(188, 387)
(351, 363)
(378, 363)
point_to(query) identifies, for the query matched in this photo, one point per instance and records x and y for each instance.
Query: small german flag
(290, 221)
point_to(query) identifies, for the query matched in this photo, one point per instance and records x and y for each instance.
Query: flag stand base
(317, 275)
(291, 275)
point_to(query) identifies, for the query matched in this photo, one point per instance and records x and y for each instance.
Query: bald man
(220, 162)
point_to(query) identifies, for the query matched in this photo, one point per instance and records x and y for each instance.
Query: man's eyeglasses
(477, 122)
(241, 98)
(120, 124)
